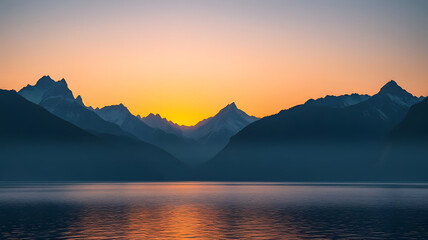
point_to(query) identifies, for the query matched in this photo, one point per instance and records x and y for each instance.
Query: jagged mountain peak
(231, 105)
(45, 88)
(63, 82)
(393, 92)
(157, 121)
(152, 115)
(45, 80)
(392, 88)
(114, 113)
(79, 100)
(116, 107)
(391, 83)
(232, 111)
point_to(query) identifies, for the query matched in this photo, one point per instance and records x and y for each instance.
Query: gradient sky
(187, 59)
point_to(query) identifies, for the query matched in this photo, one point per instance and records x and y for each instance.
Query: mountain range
(48, 134)
(156, 121)
(37, 145)
(316, 141)
(191, 144)
(58, 99)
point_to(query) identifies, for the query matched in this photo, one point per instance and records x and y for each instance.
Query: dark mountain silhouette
(187, 150)
(47, 134)
(405, 156)
(44, 88)
(414, 127)
(156, 121)
(214, 130)
(212, 134)
(314, 141)
(58, 99)
(372, 118)
(192, 144)
(120, 115)
(22, 120)
(37, 145)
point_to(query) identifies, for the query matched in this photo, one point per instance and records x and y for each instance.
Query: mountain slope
(58, 99)
(37, 145)
(405, 156)
(315, 142)
(415, 125)
(22, 120)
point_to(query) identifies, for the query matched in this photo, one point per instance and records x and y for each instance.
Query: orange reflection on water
(187, 212)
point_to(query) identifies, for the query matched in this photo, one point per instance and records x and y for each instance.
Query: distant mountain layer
(217, 129)
(156, 121)
(315, 141)
(37, 145)
(192, 144)
(202, 141)
(120, 115)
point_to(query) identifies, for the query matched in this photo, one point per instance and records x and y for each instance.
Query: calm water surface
(213, 211)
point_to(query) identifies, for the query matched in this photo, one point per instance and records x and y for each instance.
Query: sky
(185, 60)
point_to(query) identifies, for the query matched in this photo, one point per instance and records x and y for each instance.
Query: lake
(213, 211)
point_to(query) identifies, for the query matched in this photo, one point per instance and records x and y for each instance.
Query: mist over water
(213, 211)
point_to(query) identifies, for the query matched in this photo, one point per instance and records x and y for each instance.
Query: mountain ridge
(344, 143)
(58, 99)
(357, 122)
(49, 148)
